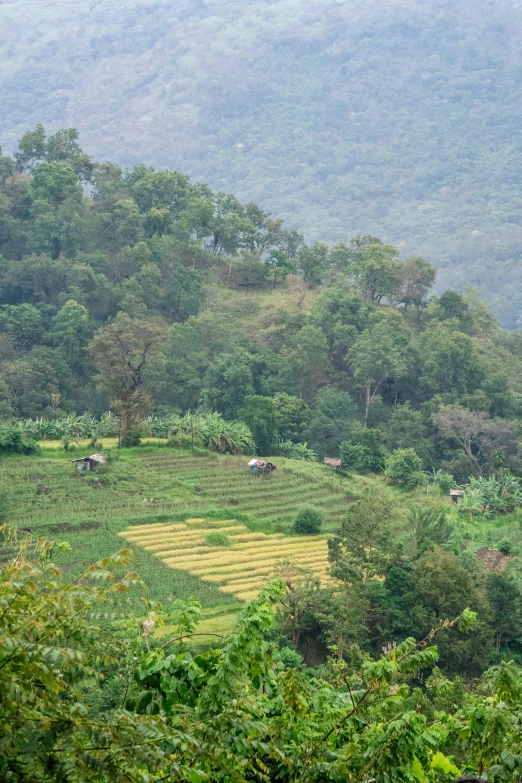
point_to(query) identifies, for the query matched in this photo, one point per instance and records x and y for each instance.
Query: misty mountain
(398, 118)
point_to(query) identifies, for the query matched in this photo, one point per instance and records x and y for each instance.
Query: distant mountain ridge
(400, 119)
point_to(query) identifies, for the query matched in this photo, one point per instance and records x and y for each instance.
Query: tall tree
(31, 149)
(260, 414)
(482, 439)
(70, 331)
(121, 352)
(378, 355)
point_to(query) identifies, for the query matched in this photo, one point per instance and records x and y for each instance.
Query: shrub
(308, 521)
(182, 441)
(430, 526)
(404, 466)
(13, 442)
(215, 538)
(66, 442)
(506, 547)
(132, 438)
(291, 659)
(296, 451)
(445, 481)
(210, 429)
(501, 493)
(363, 451)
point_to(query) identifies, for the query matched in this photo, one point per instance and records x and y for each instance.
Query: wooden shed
(90, 463)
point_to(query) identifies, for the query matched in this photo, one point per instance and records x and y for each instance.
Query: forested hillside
(155, 295)
(399, 120)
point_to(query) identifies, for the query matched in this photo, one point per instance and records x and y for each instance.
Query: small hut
(456, 495)
(332, 462)
(90, 463)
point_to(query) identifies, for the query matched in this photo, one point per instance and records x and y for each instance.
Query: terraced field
(228, 483)
(239, 568)
(46, 495)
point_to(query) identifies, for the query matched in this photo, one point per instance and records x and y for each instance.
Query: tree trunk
(368, 403)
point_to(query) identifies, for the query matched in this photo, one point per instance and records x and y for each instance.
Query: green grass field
(48, 496)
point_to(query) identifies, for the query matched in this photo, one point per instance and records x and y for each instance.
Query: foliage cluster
(404, 466)
(13, 442)
(499, 494)
(308, 521)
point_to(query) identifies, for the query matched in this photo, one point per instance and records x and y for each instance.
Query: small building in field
(90, 463)
(332, 462)
(456, 495)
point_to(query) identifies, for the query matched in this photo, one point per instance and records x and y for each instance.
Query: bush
(296, 451)
(363, 451)
(404, 466)
(445, 481)
(501, 493)
(182, 441)
(215, 538)
(132, 438)
(13, 442)
(506, 547)
(308, 521)
(430, 526)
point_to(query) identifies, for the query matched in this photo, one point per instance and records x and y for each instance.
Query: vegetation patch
(216, 538)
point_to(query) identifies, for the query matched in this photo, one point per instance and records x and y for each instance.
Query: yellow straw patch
(240, 569)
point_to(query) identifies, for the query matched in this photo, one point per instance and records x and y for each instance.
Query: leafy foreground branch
(233, 713)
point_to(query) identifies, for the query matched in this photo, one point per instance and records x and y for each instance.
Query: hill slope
(399, 120)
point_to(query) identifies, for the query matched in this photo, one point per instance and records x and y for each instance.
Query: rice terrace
(232, 558)
(166, 506)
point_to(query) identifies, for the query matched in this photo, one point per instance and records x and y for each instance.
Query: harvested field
(240, 569)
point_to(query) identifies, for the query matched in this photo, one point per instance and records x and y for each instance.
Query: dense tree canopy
(88, 698)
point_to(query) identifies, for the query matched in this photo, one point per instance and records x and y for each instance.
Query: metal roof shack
(332, 462)
(90, 463)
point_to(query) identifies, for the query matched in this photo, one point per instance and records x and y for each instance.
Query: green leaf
(418, 770)
(442, 762)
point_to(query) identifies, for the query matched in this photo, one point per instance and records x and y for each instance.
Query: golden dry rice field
(240, 567)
